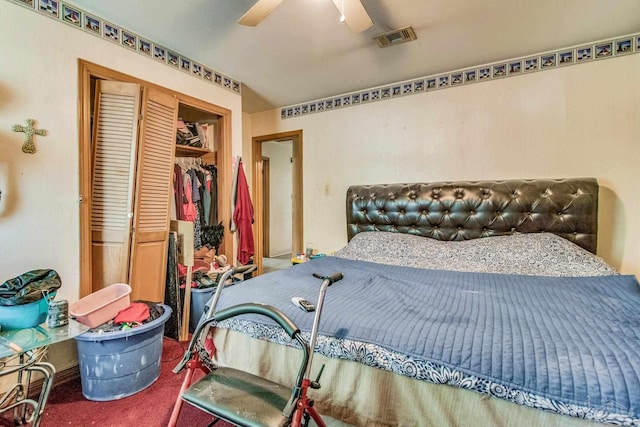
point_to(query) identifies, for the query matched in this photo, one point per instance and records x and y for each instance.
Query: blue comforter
(571, 340)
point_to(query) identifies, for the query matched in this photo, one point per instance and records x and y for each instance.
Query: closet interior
(195, 176)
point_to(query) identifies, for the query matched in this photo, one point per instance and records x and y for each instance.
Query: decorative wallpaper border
(89, 23)
(610, 48)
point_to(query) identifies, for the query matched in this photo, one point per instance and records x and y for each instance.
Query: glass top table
(22, 340)
(21, 352)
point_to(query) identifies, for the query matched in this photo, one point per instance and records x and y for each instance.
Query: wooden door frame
(88, 70)
(297, 237)
(266, 206)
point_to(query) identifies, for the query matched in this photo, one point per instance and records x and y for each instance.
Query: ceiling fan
(352, 12)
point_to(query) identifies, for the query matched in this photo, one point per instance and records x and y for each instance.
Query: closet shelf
(187, 151)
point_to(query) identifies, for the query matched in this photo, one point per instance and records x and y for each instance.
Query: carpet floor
(150, 407)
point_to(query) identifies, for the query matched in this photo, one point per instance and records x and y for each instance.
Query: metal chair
(26, 410)
(240, 397)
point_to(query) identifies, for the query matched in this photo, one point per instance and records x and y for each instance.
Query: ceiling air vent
(395, 37)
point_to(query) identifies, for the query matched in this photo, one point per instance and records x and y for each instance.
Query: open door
(115, 133)
(152, 202)
(131, 186)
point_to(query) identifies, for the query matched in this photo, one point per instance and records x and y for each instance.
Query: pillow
(538, 254)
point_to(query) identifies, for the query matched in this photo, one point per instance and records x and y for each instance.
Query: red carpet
(149, 408)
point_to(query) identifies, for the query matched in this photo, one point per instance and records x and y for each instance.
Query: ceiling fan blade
(258, 12)
(355, 15)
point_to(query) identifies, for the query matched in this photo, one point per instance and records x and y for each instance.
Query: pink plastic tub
(101, 306)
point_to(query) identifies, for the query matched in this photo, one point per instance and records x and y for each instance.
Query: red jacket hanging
(243, 218)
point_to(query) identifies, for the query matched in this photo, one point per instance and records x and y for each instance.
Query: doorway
(266, 206)
(277, 183)
(286, 148)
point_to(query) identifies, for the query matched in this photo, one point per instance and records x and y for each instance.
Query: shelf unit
(205, 114)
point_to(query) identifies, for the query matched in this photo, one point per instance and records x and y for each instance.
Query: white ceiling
(302, 52)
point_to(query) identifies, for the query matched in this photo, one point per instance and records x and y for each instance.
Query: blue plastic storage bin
(24, 315)
(199, 298)
(118, 364)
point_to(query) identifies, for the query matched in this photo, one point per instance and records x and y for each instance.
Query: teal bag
(29, 287)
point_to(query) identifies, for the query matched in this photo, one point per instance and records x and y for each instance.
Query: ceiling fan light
(355, 15)
(352, 12)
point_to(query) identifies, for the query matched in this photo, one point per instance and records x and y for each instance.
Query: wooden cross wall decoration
(28, 146)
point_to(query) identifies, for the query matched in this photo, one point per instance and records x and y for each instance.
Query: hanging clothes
(234, 192)
(213, 188)
(195, 194)
(178, 193)
(205, 196)
(243, 217)
(197, 207)
(188, 208)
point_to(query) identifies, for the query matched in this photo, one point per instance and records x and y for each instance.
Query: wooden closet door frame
(88, 70)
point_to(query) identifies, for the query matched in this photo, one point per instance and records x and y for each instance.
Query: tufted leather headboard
(472, 209)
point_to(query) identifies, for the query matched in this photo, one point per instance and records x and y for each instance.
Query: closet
(127, 154)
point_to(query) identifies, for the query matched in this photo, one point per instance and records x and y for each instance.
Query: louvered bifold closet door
(115, 135)
(153, 194)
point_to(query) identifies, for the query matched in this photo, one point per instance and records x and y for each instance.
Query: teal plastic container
(24, 315)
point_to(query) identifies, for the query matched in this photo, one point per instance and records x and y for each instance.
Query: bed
(462, 303)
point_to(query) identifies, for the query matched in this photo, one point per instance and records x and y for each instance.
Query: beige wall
(578, 121)
(39, 214)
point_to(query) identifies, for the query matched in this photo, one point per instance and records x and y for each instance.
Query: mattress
(537, 325)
